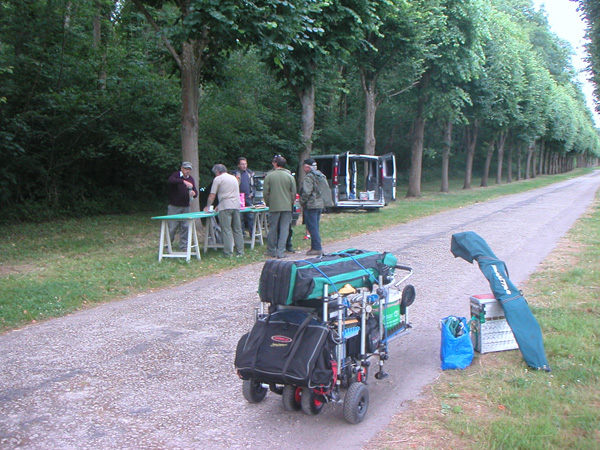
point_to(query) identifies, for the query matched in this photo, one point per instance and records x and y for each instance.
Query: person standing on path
(315, 196)
(182, 188)
(225, 186)
(279, 192)
(246, 179)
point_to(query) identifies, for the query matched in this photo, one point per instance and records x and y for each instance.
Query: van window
(326, 167)
(388, 167)
(365, 175)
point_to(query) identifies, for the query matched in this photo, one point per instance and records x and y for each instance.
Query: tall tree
(337, 27)
(591, 13)
(458, 43)
(397, 43)
(199, 33)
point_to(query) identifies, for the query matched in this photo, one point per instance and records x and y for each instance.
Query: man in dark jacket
(246, 180)
(182, 188)
(314, 197)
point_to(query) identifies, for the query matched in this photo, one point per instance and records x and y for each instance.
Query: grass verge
(497, 403)
(52, 269)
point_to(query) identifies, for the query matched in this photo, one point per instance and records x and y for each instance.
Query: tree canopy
(100, 100)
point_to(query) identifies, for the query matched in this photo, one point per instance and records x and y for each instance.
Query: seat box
(490, 331)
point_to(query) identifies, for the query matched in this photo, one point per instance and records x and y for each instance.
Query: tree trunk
(418, 136)
(519, 160)
(97, 33)
(509, 157)
(190, 94)
(542, 156)
(528, 163)
(369, 84)
(488, 162)
(447, 146)
(501, 143)
(416, 159)
(471, 141)
(343, 102)
(307, 101)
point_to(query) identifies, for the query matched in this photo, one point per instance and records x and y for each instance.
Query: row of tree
(101, 99)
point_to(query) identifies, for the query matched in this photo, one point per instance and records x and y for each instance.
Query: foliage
(591, 12)
(91, 104)
(80, 119)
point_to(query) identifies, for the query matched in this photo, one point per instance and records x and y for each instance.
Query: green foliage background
(90, 100)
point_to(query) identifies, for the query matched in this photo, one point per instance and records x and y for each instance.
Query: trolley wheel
(310, 402)
(291, 397)
(254, 391)
(356, 402)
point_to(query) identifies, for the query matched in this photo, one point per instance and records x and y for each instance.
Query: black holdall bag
(287, 347)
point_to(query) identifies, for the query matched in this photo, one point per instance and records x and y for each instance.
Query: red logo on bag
(283, 339)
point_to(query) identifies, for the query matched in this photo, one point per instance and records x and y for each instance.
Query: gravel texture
(156, 371)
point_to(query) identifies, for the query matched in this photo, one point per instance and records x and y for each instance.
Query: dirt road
(156, 371)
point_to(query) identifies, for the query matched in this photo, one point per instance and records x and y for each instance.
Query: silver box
(490, 331)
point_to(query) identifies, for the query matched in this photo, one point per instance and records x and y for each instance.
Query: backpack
(324, 190)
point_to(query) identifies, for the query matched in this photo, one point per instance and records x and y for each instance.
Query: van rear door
(388, 176)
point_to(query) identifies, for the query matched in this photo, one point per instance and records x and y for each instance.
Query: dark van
(359, 181)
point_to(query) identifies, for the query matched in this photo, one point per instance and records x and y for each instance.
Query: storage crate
(490, 331)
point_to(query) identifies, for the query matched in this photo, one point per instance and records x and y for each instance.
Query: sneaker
(291, 252)
(315, 252)
(268, 256)
(282, 256)
(305, 237)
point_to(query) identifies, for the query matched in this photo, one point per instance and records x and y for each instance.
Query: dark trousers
(312, 217)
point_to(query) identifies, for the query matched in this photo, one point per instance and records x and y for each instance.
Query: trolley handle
(406, 277)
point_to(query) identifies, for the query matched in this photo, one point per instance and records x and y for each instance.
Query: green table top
(187, 216)
(202, 214)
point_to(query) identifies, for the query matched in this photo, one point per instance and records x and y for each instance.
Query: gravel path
(156, 371)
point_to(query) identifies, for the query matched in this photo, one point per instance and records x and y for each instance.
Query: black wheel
(276, 388)
(291, 397)
(310, 402)
(254, 392)
(356, 402)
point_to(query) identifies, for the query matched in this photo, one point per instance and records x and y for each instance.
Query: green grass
(52, 269)
(497, 402)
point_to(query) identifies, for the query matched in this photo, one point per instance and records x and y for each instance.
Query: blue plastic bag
(456, 351)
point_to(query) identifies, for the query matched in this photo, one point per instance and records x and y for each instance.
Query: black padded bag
(287, 347)
(372, 339)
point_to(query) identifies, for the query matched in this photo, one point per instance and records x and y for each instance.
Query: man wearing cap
(314, 197)
(246, 179)
(182, 189)
(225, 186)
(279, 190)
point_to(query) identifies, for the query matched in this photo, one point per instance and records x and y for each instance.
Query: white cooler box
(490, 331)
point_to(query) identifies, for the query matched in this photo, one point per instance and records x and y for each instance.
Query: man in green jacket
(279, 191)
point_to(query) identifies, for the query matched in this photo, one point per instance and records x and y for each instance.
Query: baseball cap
(186, 165)
(309, 162)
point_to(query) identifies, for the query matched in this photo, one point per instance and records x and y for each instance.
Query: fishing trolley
(320, 325)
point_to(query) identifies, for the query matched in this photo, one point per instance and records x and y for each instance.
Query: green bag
(294, 282)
